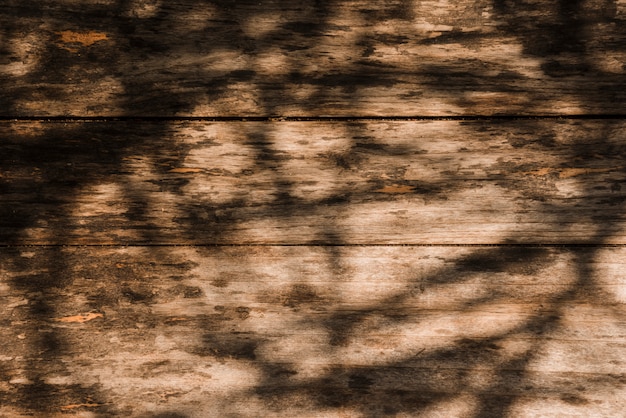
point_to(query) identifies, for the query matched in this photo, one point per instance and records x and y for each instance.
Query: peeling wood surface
(329, 57)
(295, 331)
(377, 182)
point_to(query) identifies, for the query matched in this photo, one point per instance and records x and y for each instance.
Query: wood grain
(298, 259)
(376, 182)
(302, 58)
(292, 331)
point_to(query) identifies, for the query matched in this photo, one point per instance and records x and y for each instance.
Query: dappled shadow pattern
(154, 314)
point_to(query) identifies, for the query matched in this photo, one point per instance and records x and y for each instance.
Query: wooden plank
(312, 331)
(364, 182)
(349, 57)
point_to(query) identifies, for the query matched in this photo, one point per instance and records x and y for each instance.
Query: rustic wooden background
(298, 208)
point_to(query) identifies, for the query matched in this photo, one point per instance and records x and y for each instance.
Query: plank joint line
(306, 118)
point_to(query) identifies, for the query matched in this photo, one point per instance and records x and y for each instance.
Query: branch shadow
(57, 164)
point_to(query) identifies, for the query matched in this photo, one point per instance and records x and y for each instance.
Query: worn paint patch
(75, 39)
(565, 173)
(186, 170)
(573, 172)
(396, 189)
(540, 172)
(80, 318)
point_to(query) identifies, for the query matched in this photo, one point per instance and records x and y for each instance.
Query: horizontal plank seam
(408, 367)
(304, 118)
(269, 335)
(513, 245)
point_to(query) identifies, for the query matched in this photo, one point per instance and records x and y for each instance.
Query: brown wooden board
(364, 182)
(312, 331)
(304, 58)
(242, 209)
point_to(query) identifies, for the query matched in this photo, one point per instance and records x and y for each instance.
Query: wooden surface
(312, 209)
(328, 57)
(365, 182)
(310, 331)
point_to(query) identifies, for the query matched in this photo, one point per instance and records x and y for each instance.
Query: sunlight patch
(262, 24)
(143, 9)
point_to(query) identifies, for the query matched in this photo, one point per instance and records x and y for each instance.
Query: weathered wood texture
(313, 331)
(417, 182)
(243, 268)
(328, 57)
